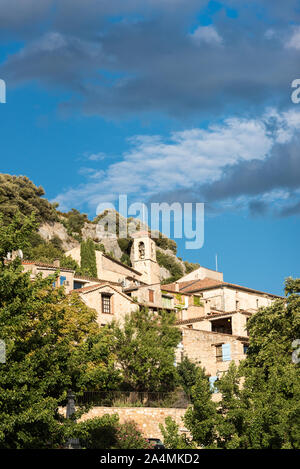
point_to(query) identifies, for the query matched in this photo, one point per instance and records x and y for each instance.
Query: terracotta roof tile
(43, 264)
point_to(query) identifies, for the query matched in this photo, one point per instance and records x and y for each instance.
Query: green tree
(171, 437)
(74, 221)
(187, 373)
(88, 258)
(145, 350)
(97, 433)
(260, 400)
(53, 342)
(18, 193)
(201, 419)
(107, 432)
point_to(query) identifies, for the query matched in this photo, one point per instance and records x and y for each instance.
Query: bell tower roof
(141, 234)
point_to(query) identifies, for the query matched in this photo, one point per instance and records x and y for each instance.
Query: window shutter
(226, 352)
(212, 380)
(62, 280)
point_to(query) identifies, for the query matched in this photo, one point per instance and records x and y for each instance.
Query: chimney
(56, 263)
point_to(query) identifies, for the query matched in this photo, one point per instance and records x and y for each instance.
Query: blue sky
(166, 101)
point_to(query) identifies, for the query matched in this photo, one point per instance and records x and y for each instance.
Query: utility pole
(216, 262)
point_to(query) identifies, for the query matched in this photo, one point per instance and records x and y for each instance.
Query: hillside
(59, 232)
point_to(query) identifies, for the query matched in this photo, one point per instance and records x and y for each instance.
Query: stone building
(212, 314)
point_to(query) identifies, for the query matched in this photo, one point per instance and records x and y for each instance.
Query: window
(226, 352)
(237, 305)
(78, 285)
(223, 353)
(151, 296)
(166, 301)
(106, 306)
(257, 303)
(245, 348)
(62, 280)
(219, 353)
(141, 250)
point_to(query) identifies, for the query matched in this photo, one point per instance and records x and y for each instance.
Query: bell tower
(143, 257)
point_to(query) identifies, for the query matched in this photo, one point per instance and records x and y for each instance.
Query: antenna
(216, 262)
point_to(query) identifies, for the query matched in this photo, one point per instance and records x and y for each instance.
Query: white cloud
(156, 164)
(95, 156)
(294, 41)
(207, 34)
(270, 34)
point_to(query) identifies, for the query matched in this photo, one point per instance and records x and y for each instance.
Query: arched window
(141, 250)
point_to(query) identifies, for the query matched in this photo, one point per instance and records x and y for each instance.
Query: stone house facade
(211, 314)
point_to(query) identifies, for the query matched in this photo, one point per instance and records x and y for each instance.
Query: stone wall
(200, 346)
(146, 418)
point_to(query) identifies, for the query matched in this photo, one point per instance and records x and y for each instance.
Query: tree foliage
(88, 258)
(18, 193)
(171, 264)
(53, 343)
(107, 432)
(74, 221)
(145, 350)
(187, 374)
(171, 437)
(260, 400)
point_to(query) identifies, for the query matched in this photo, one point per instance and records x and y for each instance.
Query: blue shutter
(212, 380)
(226, 355)
(62, 280)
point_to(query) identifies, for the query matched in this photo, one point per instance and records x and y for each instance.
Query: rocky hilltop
(59, 232)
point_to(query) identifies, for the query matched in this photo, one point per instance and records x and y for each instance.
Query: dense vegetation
(53, 342)
(19, 193)
(73, 221)
(88, 258)
(145, 351)
(171, 264)
(260, 399)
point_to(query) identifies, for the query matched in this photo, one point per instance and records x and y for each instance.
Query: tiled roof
(209, 283)
(199, 284)
(170, 287)
(121, 263)
(49, 266)
(93, 279)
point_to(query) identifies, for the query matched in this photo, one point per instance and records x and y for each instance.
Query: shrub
(130, 437)
(98, 433)
(166, 243)
(169, 262)
(190, 266)
(19, 193)
(125, 259)
(74, 221)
